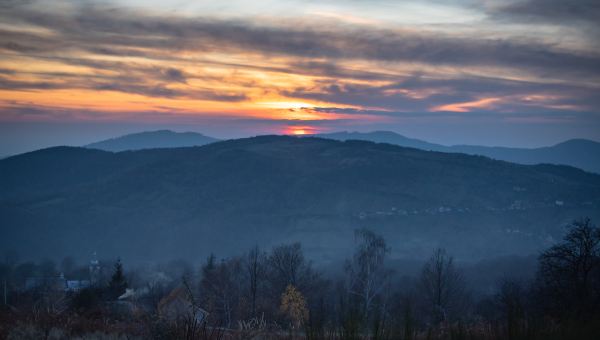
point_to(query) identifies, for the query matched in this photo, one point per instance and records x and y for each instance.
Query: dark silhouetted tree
(569, 272)
(287, 262)
(118, 283)
(443, 287)
(367, 275)
(221, 289)
(287, 266)
(256, 272)
(511, 300)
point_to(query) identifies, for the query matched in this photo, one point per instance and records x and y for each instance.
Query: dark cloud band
(110, 31)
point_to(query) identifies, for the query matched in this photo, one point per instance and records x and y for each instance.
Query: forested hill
(580, 153)
(152, 140)
(188, 202)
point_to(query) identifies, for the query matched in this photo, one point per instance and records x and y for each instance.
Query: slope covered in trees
(266, 190)
(152, 140)
(580, 153)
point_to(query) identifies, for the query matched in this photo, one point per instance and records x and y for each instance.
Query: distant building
(177, 305)
(77, 285)
(58, 283)
(95, 269)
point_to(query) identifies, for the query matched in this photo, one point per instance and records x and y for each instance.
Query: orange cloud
(136, 61)
(484, 103)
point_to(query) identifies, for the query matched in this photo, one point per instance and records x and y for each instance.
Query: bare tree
(287, 266)
(443, 286)
(287, 262)
(220, 288)
(569, 272)
(256, 271)
(511, 300)
(368, 277)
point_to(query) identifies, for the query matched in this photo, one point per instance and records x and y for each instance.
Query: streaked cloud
(553, 11)
(351, 62)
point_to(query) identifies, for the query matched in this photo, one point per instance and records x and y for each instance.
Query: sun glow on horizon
(300, 130)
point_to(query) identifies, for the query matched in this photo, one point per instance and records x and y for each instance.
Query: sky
(489, 72)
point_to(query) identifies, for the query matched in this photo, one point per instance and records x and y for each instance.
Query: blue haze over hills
(580, 153)
(225, 196)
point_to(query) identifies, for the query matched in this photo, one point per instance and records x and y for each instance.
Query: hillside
(227, 196)
(384, 137)
(152, 140)
(580, 153)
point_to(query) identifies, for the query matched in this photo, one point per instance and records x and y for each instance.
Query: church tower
(94, 269)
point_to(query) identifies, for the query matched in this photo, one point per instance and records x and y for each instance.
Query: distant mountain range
(228, 196)
(152, 140)
(383, 137)
(580, 153)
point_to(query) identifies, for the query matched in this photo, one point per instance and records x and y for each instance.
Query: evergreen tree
(118, 283)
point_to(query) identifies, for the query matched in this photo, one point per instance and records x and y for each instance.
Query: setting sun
(299, 132)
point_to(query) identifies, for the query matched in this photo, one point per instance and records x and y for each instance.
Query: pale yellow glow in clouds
(484, 103)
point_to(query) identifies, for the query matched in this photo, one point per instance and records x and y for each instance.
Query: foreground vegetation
(278, 294)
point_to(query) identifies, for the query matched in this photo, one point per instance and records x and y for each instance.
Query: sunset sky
(490, 72)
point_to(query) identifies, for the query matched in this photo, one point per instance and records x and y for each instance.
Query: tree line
(280, 293)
